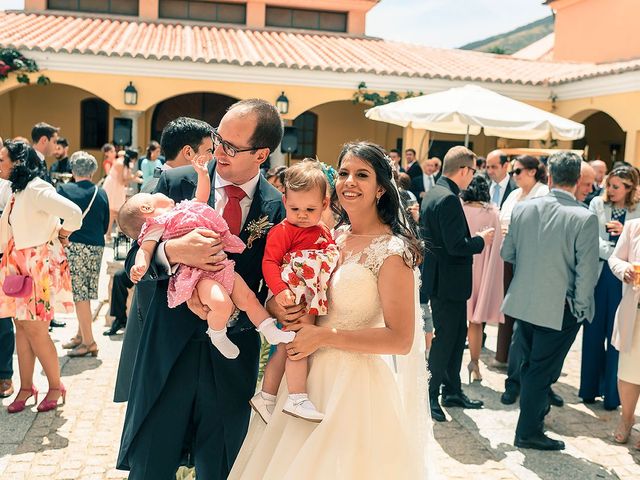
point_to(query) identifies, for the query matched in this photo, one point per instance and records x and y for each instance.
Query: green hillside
(514, 40)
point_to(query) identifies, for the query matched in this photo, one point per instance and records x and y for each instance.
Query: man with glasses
(447, 277)
(185, 396)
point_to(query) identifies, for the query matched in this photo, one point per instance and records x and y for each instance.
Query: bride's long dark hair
(390, 208)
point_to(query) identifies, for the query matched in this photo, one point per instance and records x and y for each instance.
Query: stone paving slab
(80, 440)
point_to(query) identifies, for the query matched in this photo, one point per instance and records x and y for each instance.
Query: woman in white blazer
(31, 238)
(599, 365)
(626, 329)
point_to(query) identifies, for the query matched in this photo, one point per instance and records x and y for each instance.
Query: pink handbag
(18, 286)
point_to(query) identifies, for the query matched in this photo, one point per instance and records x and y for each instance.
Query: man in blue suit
(553, 243)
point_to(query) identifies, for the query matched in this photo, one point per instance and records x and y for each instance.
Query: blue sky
(438, 23)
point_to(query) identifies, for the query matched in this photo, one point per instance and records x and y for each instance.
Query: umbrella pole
(466, 138)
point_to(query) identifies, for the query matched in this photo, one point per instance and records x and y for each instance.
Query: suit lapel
(254, 211)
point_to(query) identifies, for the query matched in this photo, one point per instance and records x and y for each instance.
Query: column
(632, 148)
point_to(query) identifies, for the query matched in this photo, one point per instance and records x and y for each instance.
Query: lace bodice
(354, 301)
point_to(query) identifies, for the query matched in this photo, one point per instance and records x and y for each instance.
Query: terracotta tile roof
(539, 50)
(281, 49)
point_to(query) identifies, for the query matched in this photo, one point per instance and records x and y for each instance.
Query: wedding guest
(585, 183)
(275, 176)
(86, 248)
(626, 329)
(45, 140)
(447, 277)
(598, 372)
(563, 277)
(150, 162)
(115, 186)
(413, 168)
(31, 252)
(502, 184)
(108, 157)
(530, 175)
(7, 336)
(396, 158)
(486, 294)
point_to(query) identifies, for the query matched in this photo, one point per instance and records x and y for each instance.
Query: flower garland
(11, 60)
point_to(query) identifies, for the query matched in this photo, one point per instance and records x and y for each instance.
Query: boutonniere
(257, 229)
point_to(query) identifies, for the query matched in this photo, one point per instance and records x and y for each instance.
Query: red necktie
(232, 211)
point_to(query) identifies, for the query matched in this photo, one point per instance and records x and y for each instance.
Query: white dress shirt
(428, 181)
(502, 185)
(5, 193)
(538, 190)
(221, 200)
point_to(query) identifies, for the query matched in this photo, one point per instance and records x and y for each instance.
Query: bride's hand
(308, 340)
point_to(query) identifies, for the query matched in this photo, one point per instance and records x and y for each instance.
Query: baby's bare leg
(221, 307)
(296, 370)
(274, 371)
(246, 300)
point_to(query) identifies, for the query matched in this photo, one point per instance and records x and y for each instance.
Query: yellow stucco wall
(339, 122)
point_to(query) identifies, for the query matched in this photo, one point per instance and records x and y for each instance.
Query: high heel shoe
(72, 343)
(83, 350)
(622, 432)
(474, 371)
(47, 405)
(19, 405)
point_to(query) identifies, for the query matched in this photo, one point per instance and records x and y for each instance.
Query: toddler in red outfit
(299, 257)
(155, 217)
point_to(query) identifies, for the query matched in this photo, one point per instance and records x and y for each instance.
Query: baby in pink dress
(154, 217)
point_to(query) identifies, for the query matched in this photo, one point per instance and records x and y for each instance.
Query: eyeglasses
(518, 171)
(229, 149)
(474, 170)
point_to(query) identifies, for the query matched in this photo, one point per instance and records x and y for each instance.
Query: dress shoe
(509, 397)
(302, 408)
(539, 442)
(83, 350)
(474, 371)
(555, 399)
(19, 405)
(436, 411)
(115, 326)
(57, 323)
(6, 387)
(262, 407)
(461, 400)
(47, 405)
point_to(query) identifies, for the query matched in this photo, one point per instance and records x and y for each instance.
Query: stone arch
(207, 106)
(604, 136)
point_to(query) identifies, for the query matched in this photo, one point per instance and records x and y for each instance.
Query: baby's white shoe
(273, 334)
(298, 405)
(263, 404)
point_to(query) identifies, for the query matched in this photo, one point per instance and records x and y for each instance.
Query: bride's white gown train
(371, 430)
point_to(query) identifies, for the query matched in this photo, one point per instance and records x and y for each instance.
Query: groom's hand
(285, 315)
(196, 305)
(200, 248)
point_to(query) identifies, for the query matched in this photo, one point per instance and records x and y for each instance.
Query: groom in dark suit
(185, 396)
(446, 277)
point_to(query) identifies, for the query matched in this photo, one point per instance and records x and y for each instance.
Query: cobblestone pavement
(80, 439)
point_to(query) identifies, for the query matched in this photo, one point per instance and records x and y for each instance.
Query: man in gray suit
(551, 293)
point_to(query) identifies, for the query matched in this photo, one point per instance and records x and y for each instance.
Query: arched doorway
(209, 107)
(603, 136)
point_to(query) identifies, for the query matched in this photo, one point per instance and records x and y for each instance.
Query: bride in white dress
(376, 423)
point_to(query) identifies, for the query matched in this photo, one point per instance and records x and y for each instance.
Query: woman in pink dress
(486, 295)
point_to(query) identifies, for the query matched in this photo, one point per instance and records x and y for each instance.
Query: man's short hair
(411, 150)
(456, 158)
(62, 142)
(180, 132)
(269, 131)
(42, 129)
(395, 150)
(564, 168)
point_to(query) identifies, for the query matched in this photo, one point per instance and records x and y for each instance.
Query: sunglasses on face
(518, 171)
